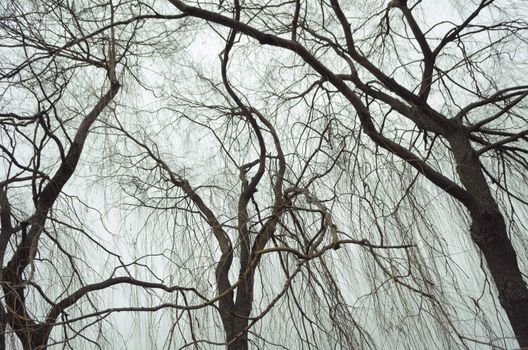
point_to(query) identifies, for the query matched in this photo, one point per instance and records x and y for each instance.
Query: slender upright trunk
(3, 327)
(235, 326)
(235, 316)
(234, 313)
(241, 342)
(489, 233)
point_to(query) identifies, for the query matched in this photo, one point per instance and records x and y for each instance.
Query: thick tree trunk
(234, 327)
(241, 342)
(234, 314)
(3, 327)
(235, 319)
(489, 233)
(243, 305)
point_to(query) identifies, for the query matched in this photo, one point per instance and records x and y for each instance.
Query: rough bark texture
(234, 326)
(489, 233)
(235, 314)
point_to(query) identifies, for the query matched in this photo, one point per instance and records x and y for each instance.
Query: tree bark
(489, 233)
(3, 327)
(241, 342)
(235, 315)
(235, 329)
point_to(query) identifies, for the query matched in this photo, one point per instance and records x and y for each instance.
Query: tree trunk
(489, 233)
(241, 343)
(231, 310)
(233, 327)
(236, 318)
(235, 314)
(3, 327)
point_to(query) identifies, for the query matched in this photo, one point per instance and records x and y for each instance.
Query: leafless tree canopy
(263, 175)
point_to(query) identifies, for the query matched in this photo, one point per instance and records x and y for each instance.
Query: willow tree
(459, 82)
(60, 72)
(290, 174)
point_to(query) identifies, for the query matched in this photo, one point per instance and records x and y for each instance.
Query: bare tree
(296, 191)
(435, 76)
(59, 73)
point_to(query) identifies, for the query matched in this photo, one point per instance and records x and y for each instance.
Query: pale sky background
(180, 257)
